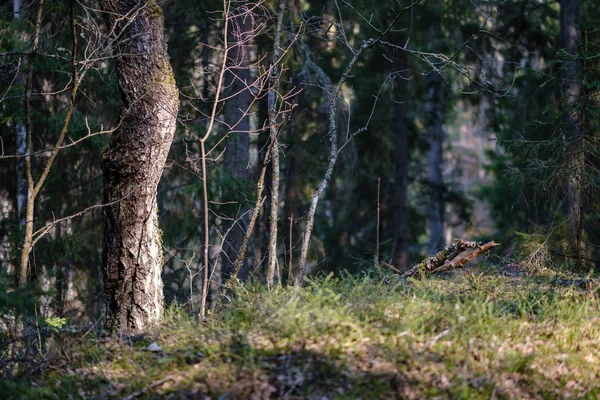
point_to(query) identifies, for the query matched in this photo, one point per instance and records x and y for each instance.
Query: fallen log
(445, 259)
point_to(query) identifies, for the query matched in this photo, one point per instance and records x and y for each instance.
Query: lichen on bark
(132, 165)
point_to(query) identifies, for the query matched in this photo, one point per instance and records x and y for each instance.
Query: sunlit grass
(474, 336)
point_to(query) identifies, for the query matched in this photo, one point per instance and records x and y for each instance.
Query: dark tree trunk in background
(21, 139)
(435, 156)
(292, 197)
(569, 35)
(401, 153)
(237, 154)
(133, 163)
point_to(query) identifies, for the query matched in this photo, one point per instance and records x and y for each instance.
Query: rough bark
(435, 111)
(133, 163)
(401, 153)
(569, 35)
(237, 154)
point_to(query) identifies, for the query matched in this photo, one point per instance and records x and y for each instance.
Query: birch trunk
(133, 163)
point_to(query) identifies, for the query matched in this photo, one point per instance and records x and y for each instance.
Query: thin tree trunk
(216, 262)
(209, 129)
(261, 187)
(435, 155)
(205, 230)
(237, 154)
(31, 187)
(133, 163)
(333, 94)
(581, 250)
(61, 282)
(23, 274)
(291, 205)
(273, 128)
(22, 182)
(569, 35)
(34, 188)
(260, 199)
(401, 153)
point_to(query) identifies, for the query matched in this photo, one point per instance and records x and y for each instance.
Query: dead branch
(444, 260)
(462, 261)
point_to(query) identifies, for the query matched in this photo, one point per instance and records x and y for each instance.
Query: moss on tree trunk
(133, 163)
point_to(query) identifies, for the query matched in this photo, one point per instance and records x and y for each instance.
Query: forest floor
(475, 335)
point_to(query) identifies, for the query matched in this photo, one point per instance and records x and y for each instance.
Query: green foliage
(14, 301)
(330, 325)
(551, 148)
(55, 323)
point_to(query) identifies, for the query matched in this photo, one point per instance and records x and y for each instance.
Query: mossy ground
(471, 336)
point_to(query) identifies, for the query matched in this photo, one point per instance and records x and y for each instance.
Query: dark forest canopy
(171, 149)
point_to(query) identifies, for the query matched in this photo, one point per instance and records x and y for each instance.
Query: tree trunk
(435, 156)
(237, 119)
(292, 195)
(21, 140)
(569, 35)
(273, 128)
(133, 163)
(27, 187)
(23, 191)
(401, 152)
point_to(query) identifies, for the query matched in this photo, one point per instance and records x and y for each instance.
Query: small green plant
(55, 323)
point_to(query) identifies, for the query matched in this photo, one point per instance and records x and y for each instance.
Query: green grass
(476, 336)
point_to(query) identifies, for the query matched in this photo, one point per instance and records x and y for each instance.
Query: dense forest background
(411, 124)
